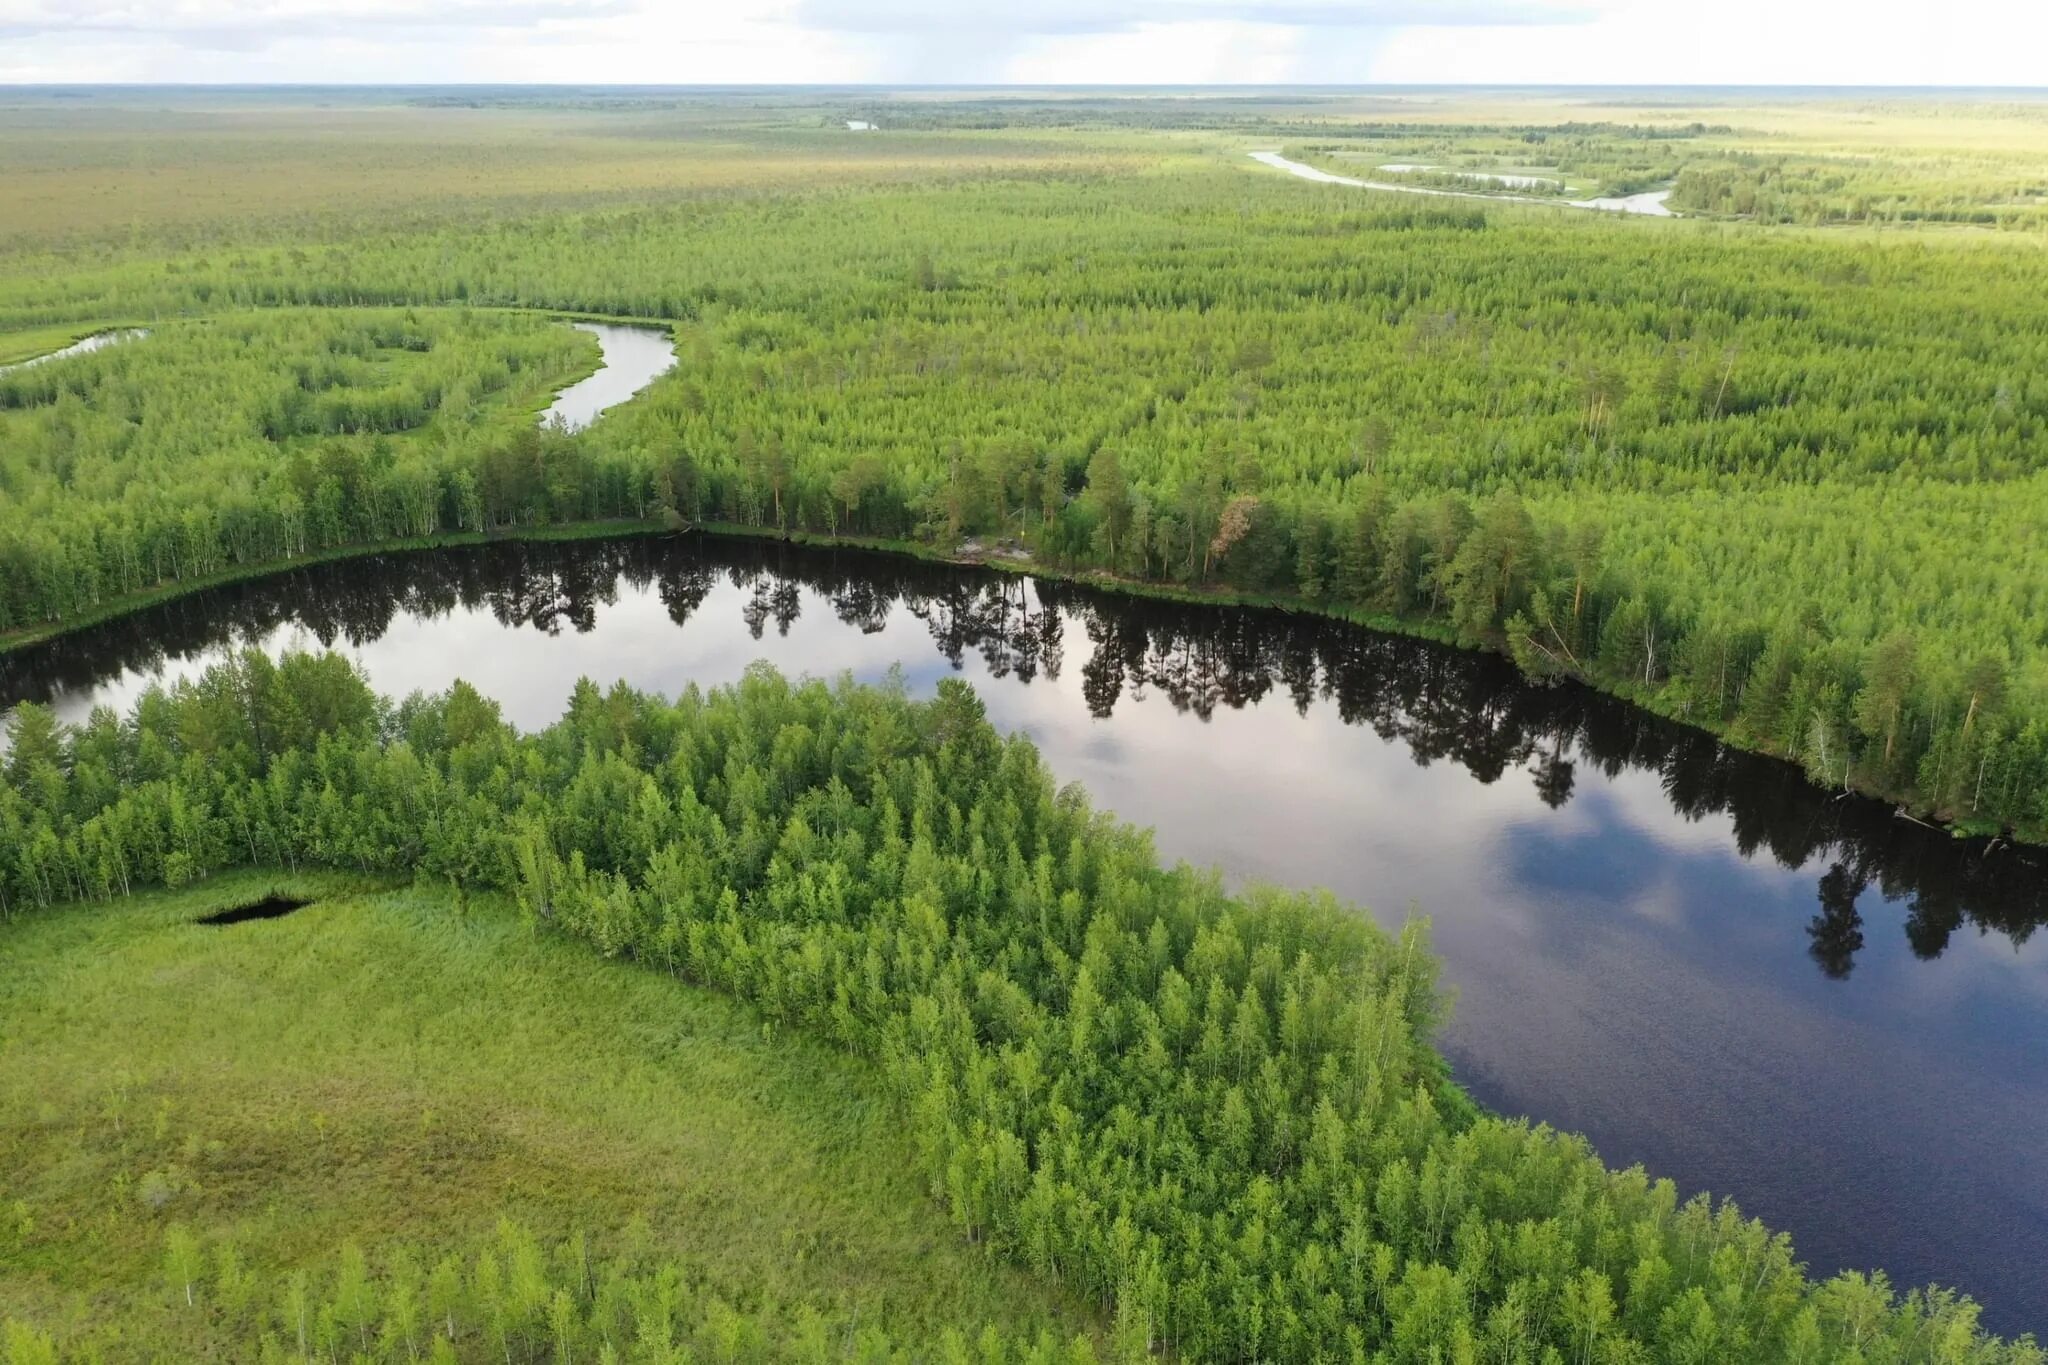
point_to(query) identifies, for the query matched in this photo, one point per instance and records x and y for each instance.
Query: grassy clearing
(385, 1069)
(123, 174)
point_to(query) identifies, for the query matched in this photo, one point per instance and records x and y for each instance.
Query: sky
(1117, 42)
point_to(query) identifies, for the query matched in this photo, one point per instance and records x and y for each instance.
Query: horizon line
(719, 86)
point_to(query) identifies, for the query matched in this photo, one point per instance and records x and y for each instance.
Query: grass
(383, 1068)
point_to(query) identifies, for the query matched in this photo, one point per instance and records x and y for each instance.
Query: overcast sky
(1888, 42)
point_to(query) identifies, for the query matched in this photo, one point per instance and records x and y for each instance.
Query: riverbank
(171, 590)
(42, 343)
(832, 938)
(1438, 632)
(1651, 700)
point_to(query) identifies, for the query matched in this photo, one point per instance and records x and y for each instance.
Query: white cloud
(1903, 42)
(1741, 42)
(246, 24)
(1213, 52)
(1109, 16)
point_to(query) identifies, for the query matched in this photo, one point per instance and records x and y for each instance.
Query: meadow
(390, 1075)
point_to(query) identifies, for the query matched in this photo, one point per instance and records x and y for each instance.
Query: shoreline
(1420, 629)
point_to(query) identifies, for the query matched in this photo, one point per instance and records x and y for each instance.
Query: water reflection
(1442, 705)
(1687, 953)
(83, 346)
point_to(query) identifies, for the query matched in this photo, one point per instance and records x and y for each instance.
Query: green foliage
(259, 437)
(402, 1069)
(1217, 1116)
(1900, 167)
(1790, 445)
(517, 1298)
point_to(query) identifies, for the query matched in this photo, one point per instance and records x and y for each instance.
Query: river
(83, 346)
(1649, 204)
(1689, 954)
(1506, 182)
(633, 357)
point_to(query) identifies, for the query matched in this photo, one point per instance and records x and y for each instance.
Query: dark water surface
(1833, 1015)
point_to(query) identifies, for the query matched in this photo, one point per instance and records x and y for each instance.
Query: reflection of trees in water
(1837, 931)
(1555, 776)
(550, 593)
(1442, 705)
(994, 616)
(864, 605)
(1475, 711)
(684, 590)
(769, 597)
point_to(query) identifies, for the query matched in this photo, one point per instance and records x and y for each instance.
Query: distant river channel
(1834, 1016)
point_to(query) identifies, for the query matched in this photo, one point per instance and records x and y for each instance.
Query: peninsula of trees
(1217, 1117)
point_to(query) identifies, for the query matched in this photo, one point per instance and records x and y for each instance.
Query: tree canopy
(1217, 1115)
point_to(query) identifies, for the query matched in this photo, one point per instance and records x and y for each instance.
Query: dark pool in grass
(270, 907)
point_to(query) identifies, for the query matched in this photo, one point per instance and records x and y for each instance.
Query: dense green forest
(515, 1298)
(1217, 1116)
(256, 437)
(1781, 484)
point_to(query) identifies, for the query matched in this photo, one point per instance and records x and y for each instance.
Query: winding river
(633, 357)
(1689, 954)
(1649, 204)
(82, 346)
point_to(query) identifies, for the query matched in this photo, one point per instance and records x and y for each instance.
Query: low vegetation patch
(309, 1137)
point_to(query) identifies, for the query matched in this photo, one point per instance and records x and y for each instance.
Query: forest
(254, 438)
(1215, 1116)
(1006, 1087)
(1749, 478)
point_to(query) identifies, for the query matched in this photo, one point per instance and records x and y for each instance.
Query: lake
(1798, 1000)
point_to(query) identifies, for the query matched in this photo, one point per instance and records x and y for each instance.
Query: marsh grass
(384, 1069)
